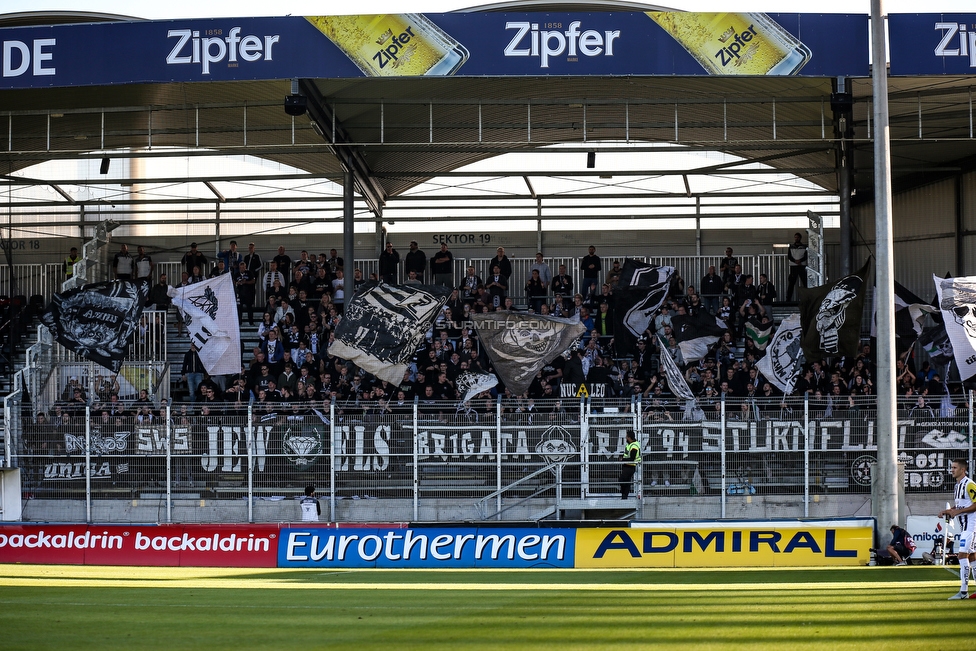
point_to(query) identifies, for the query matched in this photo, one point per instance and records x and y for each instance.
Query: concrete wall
(401, 510)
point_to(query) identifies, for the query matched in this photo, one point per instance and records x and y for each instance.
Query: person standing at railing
(797, 255)
(502, 261)
(711, 287)
(545, 273)
(591, 266)
(442, 267)
(122, 264)
(158, 296)
(194, 261)
(388, 263)
(632, 457)
(143, 265)
(415, 260)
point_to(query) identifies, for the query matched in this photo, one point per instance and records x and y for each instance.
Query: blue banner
(426, 548)
(405, 45)
(932, 44)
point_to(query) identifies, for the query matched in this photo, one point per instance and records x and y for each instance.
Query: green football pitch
(67, 607)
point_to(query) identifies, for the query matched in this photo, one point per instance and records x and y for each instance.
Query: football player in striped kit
(965, 507)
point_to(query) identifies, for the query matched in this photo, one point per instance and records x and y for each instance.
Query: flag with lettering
(97, 321)
(783, 359)
(209, 311)
(383, 324)
(520, 344)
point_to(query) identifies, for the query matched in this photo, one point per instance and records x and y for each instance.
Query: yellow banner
(704, 545)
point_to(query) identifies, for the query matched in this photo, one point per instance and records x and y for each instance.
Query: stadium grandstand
(531, 195)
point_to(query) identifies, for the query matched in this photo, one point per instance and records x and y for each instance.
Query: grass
(68, 607)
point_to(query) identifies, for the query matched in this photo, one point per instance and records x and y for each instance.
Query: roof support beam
(350, 157)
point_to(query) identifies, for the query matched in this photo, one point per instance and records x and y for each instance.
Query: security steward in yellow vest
(69, 262)
(632, 457)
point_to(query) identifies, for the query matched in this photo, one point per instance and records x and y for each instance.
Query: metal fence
(46, 279)
(491, 459)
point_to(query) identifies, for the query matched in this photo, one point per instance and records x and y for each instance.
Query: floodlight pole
(886, 506)
(348, 236)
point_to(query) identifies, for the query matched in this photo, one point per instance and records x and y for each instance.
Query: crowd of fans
(303, 299)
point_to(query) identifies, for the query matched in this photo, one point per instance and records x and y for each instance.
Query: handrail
(480, 504)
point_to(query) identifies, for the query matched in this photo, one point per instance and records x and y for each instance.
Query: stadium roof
(400, 132)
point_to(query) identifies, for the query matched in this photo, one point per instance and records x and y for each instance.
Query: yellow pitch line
(259, 584)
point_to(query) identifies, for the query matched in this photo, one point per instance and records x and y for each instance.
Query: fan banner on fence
(209, 311)
(830, 316)
(935, 342)
(97, 321)
(957, 300)
(638, 296)
(695, 333)
(676, 381)
(383, 325)
(759, 333)
(910, 311)
(520, 344)
(782, 360)
(471, 384)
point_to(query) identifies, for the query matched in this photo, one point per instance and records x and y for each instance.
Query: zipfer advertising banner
(649, 544)
(932, 44)
(413, 45)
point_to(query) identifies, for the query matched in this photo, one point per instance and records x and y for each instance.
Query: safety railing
(145, 460)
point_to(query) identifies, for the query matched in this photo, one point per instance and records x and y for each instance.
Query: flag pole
(888, 489)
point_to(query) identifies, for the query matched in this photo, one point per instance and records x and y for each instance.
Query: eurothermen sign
(412, 45)
(650, 544)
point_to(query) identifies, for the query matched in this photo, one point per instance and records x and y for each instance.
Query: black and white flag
(520, 344)
(676, 381)
(97, 321)
(209, 311)
(783, 359)
(383, 325)
(694, 334)
(830, 316)
(957, 301)
(471, 384)
(910, 311)
(639, 294)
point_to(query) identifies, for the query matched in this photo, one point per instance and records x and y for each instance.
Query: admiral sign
(724, 544)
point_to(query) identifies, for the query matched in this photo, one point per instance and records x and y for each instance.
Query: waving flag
(209, 311)
(97, 321)
(783, 357)
(639, 294)
(957, 300)
(383, 325)
(830, 316)
(694, 334)
(520, 344)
